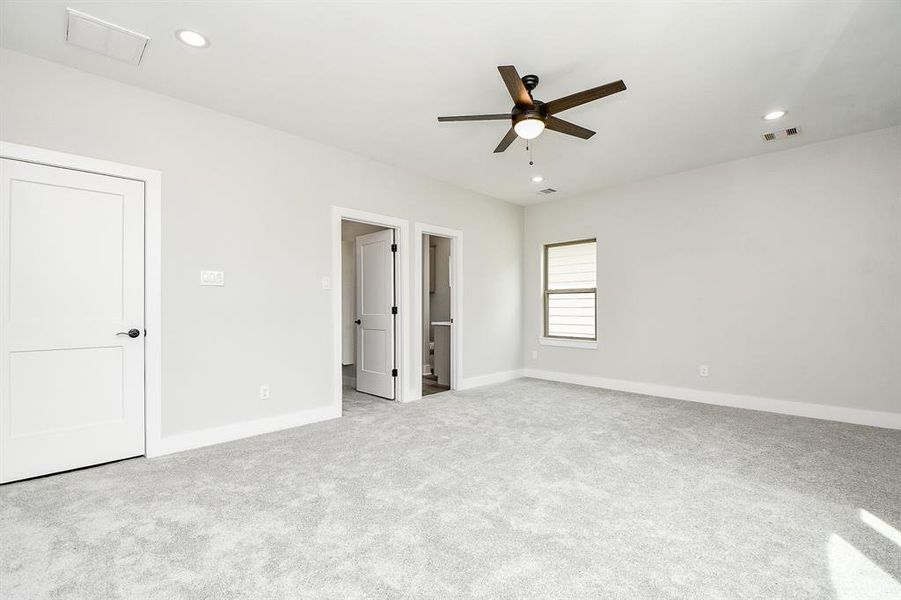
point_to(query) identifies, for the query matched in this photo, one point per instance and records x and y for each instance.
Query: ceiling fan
(530, 117)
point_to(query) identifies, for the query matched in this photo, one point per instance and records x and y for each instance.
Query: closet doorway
(369, 308)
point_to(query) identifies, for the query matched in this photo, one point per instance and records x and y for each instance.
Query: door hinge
(394, 372)
(393, 310)
(394, 247)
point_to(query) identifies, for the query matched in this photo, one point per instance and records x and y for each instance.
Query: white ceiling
(372, 76)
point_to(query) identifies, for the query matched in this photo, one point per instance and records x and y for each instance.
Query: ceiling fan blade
(561, 126)
(517, 90)
(505, 143)
(579, 98)
(497, 117)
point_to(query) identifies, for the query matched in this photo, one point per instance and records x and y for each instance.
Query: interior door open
(376, 309)
(71, 319)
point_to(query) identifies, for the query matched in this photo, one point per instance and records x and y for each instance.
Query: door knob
(358, 322)
(132, 333)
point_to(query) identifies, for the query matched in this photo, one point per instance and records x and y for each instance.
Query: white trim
(540, 324)
(456, 237)
(153, 315)
(786, 407)
(244, 429)
(402, 227)
(567, 343)
(491, 378)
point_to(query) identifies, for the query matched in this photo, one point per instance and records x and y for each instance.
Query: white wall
(781, 272)
(440, 300)
(255, 203)
(351, 230)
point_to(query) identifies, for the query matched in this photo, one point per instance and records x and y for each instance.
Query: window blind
(571, 289)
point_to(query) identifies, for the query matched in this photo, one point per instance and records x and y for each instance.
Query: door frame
(401, 228)
(456, 238)
(152, 266)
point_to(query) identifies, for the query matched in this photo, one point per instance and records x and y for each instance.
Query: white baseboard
(480, 380)
(237, 431)
(786, 407)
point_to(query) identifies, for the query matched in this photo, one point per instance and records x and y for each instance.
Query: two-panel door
(375, 316)
(71, 319)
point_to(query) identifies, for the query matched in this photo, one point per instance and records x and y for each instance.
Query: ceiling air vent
(781, 134)
(546, 191)
(105, 38)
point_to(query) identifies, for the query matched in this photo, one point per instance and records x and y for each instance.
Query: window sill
(564, 343)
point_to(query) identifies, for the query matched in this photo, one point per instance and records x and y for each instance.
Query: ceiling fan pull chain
(529, 148)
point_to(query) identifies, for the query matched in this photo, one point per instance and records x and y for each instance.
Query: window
(570, 290)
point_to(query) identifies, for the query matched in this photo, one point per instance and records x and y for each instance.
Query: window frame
(545, 333)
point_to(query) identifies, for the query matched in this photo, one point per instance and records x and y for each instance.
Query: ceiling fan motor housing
(521, 114)
(530, 82)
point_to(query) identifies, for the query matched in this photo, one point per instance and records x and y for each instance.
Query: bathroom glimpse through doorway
(437, 319)
(438, 279)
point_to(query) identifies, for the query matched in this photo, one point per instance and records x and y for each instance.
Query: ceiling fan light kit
(528, 128)
(530, 117)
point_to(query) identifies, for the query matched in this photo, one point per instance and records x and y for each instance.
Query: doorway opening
(436, 314)
(438, 281)
(370, 328)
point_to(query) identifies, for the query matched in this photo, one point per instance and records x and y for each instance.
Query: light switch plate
(212, 278)
(326, 283)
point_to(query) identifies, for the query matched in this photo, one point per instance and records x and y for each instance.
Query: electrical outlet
(264, 392)
(702, 371)
(534, 354)
(326, 283)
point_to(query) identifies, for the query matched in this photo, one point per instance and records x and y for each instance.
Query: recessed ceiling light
(192, 38)
(538, 179)
(772, 116)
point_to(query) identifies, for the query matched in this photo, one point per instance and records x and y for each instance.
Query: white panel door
(375, 322)
(71, 279)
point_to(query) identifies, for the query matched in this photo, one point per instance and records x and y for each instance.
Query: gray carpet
(526, 490)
